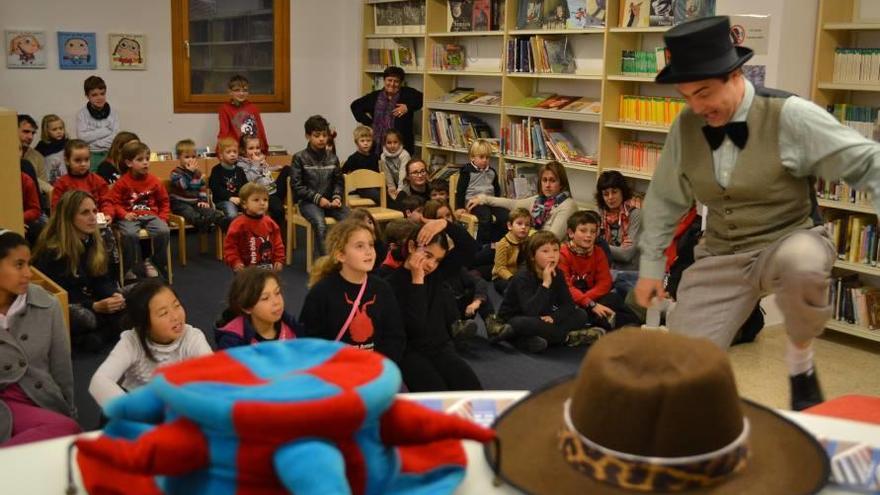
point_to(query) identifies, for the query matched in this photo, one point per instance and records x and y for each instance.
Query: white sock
(798, 360)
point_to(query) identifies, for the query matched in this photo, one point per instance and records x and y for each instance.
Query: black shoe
(805, 391)
(532, 344)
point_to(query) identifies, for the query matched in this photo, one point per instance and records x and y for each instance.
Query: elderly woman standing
(389, 108)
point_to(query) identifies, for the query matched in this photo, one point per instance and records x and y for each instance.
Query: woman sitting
(621, 223)
(550, 208)
(72, 253)
(36, 376)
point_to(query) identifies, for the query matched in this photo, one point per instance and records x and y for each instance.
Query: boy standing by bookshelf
(238, 116)
(747, 154)
(317, 179)
(97, 124)
(477, 178)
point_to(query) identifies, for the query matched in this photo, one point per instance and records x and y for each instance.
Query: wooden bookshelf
(838, 26)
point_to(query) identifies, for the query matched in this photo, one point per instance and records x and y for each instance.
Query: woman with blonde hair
(348, 304)
(71, 252)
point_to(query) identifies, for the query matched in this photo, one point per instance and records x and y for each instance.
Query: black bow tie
(738, 132)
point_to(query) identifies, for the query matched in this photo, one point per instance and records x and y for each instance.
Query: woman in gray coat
(36, 376)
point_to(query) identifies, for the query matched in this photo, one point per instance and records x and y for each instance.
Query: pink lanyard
(354, 308)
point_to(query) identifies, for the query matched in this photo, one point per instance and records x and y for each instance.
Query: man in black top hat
(748, 155)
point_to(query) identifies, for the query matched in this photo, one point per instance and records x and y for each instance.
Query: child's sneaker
(497, 329)
(464, 329)
(532, 344)
(150, 269)
(584, 336)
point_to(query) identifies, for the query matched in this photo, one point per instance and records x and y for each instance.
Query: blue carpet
(202, 285)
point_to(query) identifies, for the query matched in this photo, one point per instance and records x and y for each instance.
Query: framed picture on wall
(25, 49)
(77, 50)
(128, 51)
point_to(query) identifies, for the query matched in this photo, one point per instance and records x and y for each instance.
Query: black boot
(805, 391)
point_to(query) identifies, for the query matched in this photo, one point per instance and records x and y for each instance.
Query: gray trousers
(131, 248)
(717, 293)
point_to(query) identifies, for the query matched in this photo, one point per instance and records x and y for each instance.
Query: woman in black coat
(390, 108)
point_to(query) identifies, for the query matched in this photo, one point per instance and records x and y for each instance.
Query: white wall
(325, 64)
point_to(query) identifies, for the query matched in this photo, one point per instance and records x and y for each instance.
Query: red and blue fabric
(303, 416)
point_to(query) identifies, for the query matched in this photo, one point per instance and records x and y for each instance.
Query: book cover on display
(686, 10)
(661, 13)
(635, 13)
(560, 56)
(530, 14)
(460, 16)
(585, 14)
(481, 15)
(555, 14)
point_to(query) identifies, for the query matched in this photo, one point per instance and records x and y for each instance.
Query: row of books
(391, 51)
(854, 303)
(837, 190)
(553, 101)
(540, 54)
(865, 120)
(856, 65)
(560, 14)
(650, 110)
(449, 56)
(475, 15)
(639, 62)
(638, 13)
(399, 17)
(455, 130)
(638, 156)
(855, 237)
(469, 95)
(541, 139)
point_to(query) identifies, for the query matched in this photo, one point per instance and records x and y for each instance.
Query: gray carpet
(202, 286)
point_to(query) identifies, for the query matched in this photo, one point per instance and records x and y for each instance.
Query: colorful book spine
(650, 110)
(638, 156)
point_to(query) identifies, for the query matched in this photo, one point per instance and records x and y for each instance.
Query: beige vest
(763, 201)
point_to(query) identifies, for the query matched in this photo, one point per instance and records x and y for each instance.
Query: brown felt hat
(658, 413)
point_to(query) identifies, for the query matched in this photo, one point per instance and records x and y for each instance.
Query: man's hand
(324, 203)
(547, 319)
(131, 217)
(336, 203)
(647, 289)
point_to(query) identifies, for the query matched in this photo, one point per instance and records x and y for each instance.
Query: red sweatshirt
(91, 183)
(587, 276)
(144, 196)
(244, 119)
(253, 241)
(30, 199)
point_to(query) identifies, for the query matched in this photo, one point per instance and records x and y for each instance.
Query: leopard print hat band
(651, 474)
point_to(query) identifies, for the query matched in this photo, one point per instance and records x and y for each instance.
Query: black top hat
(701, 49)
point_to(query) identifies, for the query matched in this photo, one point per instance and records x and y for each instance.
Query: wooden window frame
(186, 102)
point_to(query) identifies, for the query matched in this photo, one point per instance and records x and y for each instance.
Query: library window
(213, 40)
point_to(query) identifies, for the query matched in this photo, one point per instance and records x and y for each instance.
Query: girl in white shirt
(160, 336)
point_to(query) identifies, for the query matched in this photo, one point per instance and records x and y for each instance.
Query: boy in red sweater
(588, 274)
(254, 239)
(140, 201)
(238, 116)
(79, 178)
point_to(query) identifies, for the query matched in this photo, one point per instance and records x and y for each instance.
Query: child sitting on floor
(255, 311)
(159, 335)
(507, 250)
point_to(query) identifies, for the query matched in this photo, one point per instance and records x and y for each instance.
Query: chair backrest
(39, 278)
(289, 203)
(453, 185)
(363, 179)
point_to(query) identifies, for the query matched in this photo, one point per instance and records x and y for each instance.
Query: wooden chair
(469, 220)
(293, 219)
(362, 179)
(178, 223)
(56, 290)
(142, 235)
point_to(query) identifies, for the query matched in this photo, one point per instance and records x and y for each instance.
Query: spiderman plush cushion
(303, 416)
